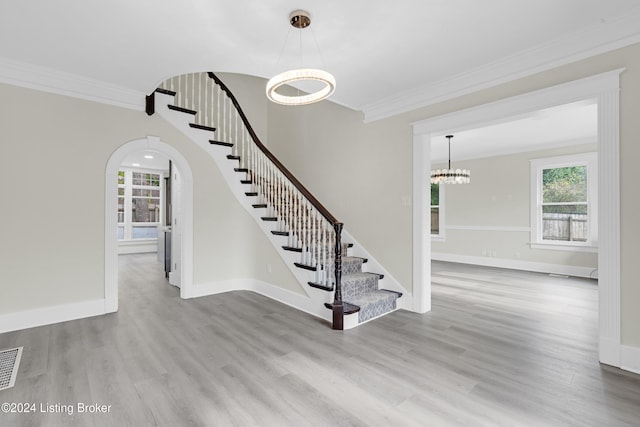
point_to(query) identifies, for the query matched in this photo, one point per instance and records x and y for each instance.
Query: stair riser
(374, 310)
(356, 286)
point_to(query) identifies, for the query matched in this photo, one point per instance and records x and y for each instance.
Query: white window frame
(590, 160)
(128, 186)
(440, 237)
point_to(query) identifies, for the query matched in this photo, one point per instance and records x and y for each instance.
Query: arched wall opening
(110, 217)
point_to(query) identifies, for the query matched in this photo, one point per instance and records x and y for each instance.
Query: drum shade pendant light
(450, 176)
(301, 19)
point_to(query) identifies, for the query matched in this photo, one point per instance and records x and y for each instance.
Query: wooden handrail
(301, 188)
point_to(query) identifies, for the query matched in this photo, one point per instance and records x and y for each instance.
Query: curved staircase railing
(310, 228)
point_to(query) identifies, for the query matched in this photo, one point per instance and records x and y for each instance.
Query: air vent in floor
(9, 362)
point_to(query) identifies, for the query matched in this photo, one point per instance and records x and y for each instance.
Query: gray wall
(53, 154)
(362, 171)
(499, 196)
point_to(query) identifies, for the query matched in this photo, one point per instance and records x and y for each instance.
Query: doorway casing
(605, 88)
(111, 218)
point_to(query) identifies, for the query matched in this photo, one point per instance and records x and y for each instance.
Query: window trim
(588, 159)
(128, 186)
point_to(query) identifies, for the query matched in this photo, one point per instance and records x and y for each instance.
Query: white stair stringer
(314, 303)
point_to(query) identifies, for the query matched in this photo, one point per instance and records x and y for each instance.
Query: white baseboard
(630, 359)
(313, 304)
(609, 351)
(540, 267)
(50, 315)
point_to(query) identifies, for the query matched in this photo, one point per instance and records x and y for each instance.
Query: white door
(176, 228)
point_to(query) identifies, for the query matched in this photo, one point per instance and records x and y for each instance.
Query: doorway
(182, 226)
(603, 87)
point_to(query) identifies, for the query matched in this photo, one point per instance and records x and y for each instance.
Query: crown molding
(595, 40)
(45, 79)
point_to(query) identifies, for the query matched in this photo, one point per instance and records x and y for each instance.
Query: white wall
(53, 156)
(363, 172)
(487, 221)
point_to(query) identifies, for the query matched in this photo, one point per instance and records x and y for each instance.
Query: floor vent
(9, 362)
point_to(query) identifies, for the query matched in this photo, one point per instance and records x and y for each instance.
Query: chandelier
(450, 176)
(300, 19)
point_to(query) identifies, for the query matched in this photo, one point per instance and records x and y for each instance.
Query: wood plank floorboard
(499, 348)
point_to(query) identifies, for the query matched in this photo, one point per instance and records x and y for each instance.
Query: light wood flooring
(499, 348)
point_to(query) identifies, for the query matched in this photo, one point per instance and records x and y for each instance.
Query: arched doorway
(185, 218)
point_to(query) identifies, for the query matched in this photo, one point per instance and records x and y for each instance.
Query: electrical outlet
(268, 268)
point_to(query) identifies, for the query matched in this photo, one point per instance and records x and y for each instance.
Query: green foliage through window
(564, 185)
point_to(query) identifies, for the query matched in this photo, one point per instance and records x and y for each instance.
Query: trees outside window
(564, 200)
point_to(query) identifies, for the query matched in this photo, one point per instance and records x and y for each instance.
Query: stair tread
(372, 297)
(354, 259)
(279, 233)
(182, 109)
(232, 157)
(224, 144)
(304, 266)
(166, 91)
(361, 274)
(348, 308)
(202, 127)
(320, 286)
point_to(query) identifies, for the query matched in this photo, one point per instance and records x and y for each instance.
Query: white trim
(630, 359)
(564, 247)
(512, 264)
(601, 38)
(506, 228)
(588, 159)
(137, 246)
(293, 299)
(111, 216)
(50, 315)
(421, 227)
(605, 87)
(53, 81)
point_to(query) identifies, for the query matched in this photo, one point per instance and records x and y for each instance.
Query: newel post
(338, 307)
(150, 104)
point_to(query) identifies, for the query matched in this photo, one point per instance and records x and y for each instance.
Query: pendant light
(300, 19)
(450, 176)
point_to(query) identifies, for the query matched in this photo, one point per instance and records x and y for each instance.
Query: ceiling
(385, 57)
(147, 159)
(563, 125)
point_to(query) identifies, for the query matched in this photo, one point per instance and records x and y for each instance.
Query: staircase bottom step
(373, 304)
(348, 308)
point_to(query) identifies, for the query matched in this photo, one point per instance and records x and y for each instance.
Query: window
(437, 212)
(139, 204)
(564, 202)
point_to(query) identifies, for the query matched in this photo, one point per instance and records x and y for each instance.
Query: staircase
(306, 234)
